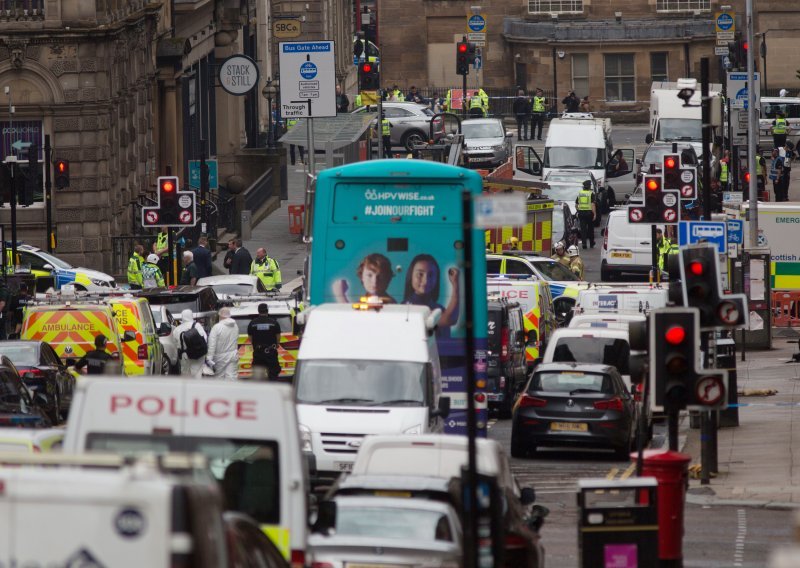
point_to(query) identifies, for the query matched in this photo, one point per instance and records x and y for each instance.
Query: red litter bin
(296, 219)
(671, 471)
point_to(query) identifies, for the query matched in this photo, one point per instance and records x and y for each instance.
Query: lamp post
(270, 92)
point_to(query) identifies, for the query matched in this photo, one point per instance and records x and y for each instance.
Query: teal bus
(404, 219)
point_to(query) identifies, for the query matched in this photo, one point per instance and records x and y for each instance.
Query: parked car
(574, 405)
(165, 324)
(386, 531)
(248, 546)
(653, 158)
(228, 285)
(506, 366)
(42, 263)
(31, 440)
(202, 300)
(410, 122)
(44, 373)
(486, 142)
(19, 406)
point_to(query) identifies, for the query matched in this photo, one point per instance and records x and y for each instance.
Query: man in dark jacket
(241, 259)
(202, 257)
(95, 361)
(522, 109)
(189, 274)
(265, 333)
(228, 261)
(571, 102)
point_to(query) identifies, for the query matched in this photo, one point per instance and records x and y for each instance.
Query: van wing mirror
(443, 408)
(129, 335)
(164, 329)
(648, 139)
(326, 516)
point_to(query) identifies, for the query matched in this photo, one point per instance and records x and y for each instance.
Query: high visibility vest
(398, 95)
(386, 128)
(780, 126)
(666, 251)
(485, 98)
(291, 122)
(151, 276)
(358, 100)
(476, 101)
(723, 171)
(135, 269)
(759, 167)
(538, 104)
(585, 200)
(268, 272)
(161, 243)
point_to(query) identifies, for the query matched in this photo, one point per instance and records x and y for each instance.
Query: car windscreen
(362, 383)
(564, 191)
(558, 222)
(771, 110)
(409, 525)
(57, 262)
(593, 349)
(24, 355)
(554, 271)
(680, 129)
(482, 130)
(573, 157)
(571, 382)
(247, 470)
(176, 302)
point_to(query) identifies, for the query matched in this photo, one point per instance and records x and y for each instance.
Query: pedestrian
(342, 102)
(585, 107)
(397, 95)
(538, 111)
(240, 264)
(386, 134)
(202, 257)
(20, 303)
(776, 174)
(228, 260)
(761, 170)
(779, 130)
(560, 254)
(95, 360)
(189, 274)
(522, 110)
(575, 262)
(571, 102)
(415, 97)
(788, 155)
(724, 170)
(161, 248)
(587, 212)
(223, 348)
(265, 333)
(290, 122)
(135, 267)
(151, 273)
(267, 270)
(188, 354)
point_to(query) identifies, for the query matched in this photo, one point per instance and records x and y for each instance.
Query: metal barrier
(785, 309)
(259, 191)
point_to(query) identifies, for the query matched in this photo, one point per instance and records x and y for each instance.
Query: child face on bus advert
(424, 276)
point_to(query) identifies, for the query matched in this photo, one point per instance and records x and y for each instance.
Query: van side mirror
(129, 335)
(538, 514)
(536, 169)
(648, 139)
(527, 496)
(164, 329)
(326, 516)
(442, 409)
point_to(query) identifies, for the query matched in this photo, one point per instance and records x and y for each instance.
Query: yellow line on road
(628, 472)
(612, 473)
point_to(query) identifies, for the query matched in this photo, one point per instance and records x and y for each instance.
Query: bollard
(671, 471)
(246, 225)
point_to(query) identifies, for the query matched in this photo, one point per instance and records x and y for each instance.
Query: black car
(19, 406)
(202, 300)
(44, 373)
(506, 365)
(574, 404)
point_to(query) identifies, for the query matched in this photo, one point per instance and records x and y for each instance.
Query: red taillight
(480, 397)
(141, 353)
(32, 372)
(515, 541)
(299, 560)
(504, 335)
(605, 239)
(637, 396)
(611, 404)
(528, 401)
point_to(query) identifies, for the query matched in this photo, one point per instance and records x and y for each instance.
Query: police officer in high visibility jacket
(161, 248)
(265, 333)
(724, 170)
(779, 128)
(386, 134)
(266, 269)
(665, 248)
(587, 211)
(151, 273)
(95, 360)
(135, 263)
(539, 109)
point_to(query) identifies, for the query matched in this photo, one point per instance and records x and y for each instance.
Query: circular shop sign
(669, 199)
(185, 201)
(238, 74)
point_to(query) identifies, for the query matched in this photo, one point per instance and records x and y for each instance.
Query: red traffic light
(167, 186)
(366, 68)
(675, 335)
(670, 162)
(61, 167)
(462, 47)
(697, 267)
(745, 45)
(747, 177)
(652, 184)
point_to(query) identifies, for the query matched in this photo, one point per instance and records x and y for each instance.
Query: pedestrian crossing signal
(62, 174)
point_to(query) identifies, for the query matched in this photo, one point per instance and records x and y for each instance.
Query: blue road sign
(194, 174)
(478, 63)
(477, 23)
(693, 232)
(724, 21)
(735, 231)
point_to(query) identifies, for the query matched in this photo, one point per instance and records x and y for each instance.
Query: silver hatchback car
(410, 122)
(486, 142)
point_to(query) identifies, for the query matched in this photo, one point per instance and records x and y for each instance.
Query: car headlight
(305, 438)
(499, 148)
(98, 282)
(413, 430)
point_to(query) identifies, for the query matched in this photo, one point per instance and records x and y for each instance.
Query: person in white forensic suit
(189, 367)
(223, 347)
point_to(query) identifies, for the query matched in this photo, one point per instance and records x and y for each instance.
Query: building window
(555, 6)
(683, 5)
(620, 78)
(580, 74)
(658, 67)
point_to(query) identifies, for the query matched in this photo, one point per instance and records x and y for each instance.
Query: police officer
(264, 332)
(161, 248)
(21, 302)
(476, 106)
(95, 360)
(779, 130)
(290, 122)
(665, 248)
(267, 270)
(724, 169)
(537, 116)
(386, 134)
(135, 267)
(151, 273)
(587, 212)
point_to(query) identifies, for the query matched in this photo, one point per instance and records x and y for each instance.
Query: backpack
(193, 344)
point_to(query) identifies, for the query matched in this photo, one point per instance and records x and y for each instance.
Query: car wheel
(166, 367)
(413, 137)
(605, 274)
(55, 413)
(518, 449)
(505, 407)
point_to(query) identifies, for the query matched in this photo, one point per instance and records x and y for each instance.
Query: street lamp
(270, 92)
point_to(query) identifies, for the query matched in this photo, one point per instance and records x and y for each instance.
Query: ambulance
(144, 355)
(105, 510)
(247, 430)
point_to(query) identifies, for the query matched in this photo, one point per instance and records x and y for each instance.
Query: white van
(633, 299)
(365, 371)
(605, 320)
(627, 247)
(103, 510)
(248, 432)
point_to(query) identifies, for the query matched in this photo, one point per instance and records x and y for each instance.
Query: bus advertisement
(393, 228)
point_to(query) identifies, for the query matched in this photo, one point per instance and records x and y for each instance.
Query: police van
(247, 431)
(104, 510)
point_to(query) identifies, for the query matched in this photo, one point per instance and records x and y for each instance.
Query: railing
(501, 100)
(258, 192)
(12, 10)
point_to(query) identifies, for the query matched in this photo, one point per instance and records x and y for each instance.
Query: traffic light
(462, 58)
(652, 198)
(368, 76)
(741, 52)
(168, 199)
(62, 173)
(472, 53)
(702, 289)
(671, 171)
(638, 341)
(732, 60)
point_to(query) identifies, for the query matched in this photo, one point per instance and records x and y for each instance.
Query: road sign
(721, 50)
(735, 229)
(693, 232)
(635, 214)
(19, 145)
(473, 37)
(194, 174)
(187, 215)
(151, 217)
(737, 86)
(727, 36)
(308, 79)
(476, 23)
(238, 75)
(499, 210)
(724, 22)
(732, 197)
(478, 63)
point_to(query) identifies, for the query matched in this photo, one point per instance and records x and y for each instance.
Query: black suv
(507, 369)
(202, 300)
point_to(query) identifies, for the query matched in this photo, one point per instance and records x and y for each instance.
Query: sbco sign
(238, 74)
(286, 28)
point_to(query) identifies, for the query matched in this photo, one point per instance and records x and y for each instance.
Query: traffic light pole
(379, 129)
(464, 96)
(48, 195)
(14, 173)
(706, 116)
(204, 182)
(655, 276)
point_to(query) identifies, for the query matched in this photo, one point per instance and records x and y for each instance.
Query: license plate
(620, 254)
(569, 427)
(343, 466)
